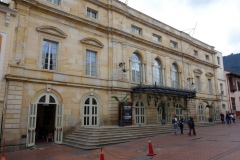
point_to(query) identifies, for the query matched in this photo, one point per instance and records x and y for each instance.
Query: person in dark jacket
(222, 117)
(191, 126)
(227, 117)
(181, 122)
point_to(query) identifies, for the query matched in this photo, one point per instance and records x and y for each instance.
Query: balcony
(233, 88)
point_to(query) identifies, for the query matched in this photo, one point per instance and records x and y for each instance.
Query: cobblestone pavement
(218, 142)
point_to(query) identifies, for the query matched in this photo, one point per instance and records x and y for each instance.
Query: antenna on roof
(191, 30)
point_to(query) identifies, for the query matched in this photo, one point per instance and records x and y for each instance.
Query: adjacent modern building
(68, 59)
(233, 92)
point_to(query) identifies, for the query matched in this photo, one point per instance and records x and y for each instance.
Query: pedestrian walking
(233, 118)
(230, 118)
(222, 117)
(181, 122)
(227, 117)
(175, 124)
(191, 126)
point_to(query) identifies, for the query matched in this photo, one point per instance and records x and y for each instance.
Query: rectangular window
(210, 86)
(233, 101)
(92, 14)
(91, 63)
(195, 53)
(218, 60)
(156, 38)
(57, 2)
(198, 85)
(207, 57)
(173, 44)
(238, 83)
(136, 30)
(49, 55)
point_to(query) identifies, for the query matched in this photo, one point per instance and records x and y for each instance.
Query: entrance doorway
(139, 112)
(216, 113)
(45, 123)
(45, 120)
(200, 113)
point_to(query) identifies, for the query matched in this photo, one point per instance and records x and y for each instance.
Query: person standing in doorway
(191, 126)
(175, 124)
(222, 117)
(181, 122)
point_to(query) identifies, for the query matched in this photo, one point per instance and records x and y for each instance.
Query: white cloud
(218, 21)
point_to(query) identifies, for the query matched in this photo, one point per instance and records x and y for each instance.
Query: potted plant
(121, 104)
(210, 106)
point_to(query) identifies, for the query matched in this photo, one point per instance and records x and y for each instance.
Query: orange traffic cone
(150, 148)
(101, 154)
(3, 148)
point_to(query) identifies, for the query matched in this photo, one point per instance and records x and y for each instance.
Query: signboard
(126, 113)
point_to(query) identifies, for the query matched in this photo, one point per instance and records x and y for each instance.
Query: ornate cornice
(8, 12)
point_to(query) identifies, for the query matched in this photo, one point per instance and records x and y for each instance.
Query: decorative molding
(209, 74)
(93, 42)
(198, 71)
(7, 18)
(52, 30)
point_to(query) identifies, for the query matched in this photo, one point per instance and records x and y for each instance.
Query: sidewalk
(218, 142)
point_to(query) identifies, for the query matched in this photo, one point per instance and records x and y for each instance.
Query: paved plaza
(219, 142)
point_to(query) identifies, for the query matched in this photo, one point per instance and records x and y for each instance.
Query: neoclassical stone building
(70, 57)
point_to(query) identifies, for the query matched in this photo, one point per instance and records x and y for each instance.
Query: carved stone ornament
(198, 71)
(92, 42)
(52, 30)
(209, 74)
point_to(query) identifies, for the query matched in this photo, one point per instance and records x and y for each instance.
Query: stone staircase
(93, 138)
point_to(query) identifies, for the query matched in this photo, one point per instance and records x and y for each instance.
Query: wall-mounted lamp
(122, 65)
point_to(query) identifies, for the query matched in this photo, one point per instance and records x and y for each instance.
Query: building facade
(69, 58)
(7, 26)
(222, 85)
(233, 92)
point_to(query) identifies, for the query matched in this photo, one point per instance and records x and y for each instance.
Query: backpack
(173, 120)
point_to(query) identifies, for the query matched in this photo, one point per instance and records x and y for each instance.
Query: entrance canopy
(157, 91)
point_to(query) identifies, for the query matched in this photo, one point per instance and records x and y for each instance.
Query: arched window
(136, 68)
(157, 72)
(221, 89)
(174, 76)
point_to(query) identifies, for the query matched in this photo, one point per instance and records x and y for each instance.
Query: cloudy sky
(218, 21)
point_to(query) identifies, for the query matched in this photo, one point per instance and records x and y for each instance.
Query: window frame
(173, 44)
(158, 38)
(159, 67)
(140, 68)
(52, 2)
(210, 87)
(2, 54)
(195, 53)
(92, 11)
(96, 61)
(57, 52)
(176, 75)
(218, 60)
(136, 28)
(198, 84)
(207, 57)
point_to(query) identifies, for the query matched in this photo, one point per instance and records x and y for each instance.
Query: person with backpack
(181, 122)
(191, 126)
(175, 124)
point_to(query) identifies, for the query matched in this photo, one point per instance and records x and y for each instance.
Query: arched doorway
(140, 112)
(160, 113)
(90, 112)
(45, 120)
(200, 113)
